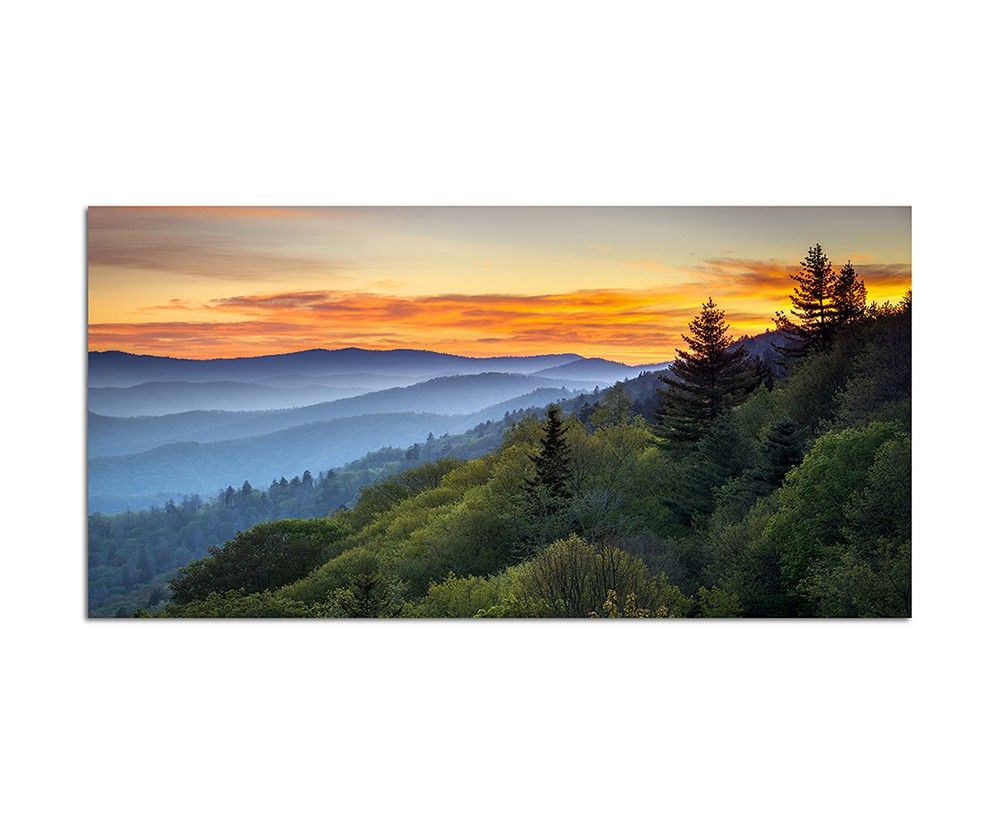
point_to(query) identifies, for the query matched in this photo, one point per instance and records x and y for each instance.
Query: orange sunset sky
(619, 283)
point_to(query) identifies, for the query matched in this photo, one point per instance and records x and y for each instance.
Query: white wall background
(505, 103)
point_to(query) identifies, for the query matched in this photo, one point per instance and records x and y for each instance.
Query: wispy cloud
(172, 304)
(265, 280)
(205, 242)
(770, 279)
(633, 325)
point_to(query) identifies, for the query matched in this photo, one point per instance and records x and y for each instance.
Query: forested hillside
(745, 490)
(195, 435)
(129, 481)
(133, 555)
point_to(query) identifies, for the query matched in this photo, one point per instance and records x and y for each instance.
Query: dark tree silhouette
(764, 372)
(849, 296)
(703, 383)
(552, 462)
(812, 305)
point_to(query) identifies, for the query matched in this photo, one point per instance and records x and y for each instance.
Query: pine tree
(849, 296)
(812, 305)
(719, 456)
(711, 378)
(552, 462)
(781, 450)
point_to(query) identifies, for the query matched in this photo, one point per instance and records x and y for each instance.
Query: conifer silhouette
(849, 296)
(552, 462)
(780, 451)
(812, 306)
(704, 382)
(822, 302)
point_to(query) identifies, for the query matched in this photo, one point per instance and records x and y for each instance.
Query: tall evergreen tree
(552, 462)
(812, 305)
(849, 296)
(780, 451)
(703, 383)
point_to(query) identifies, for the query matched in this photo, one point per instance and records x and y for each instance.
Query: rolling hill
(598, 370)
(455, 395)
(175, 468)
(170, 397)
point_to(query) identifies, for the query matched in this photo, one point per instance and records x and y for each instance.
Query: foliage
(792, 501)
(552, 461)
(132, 556)
(867, 573)
(812, 306)
(706, 381)
(822, 303)
(573, 578)
(265, 557)
(466, 597)
(878, 383)
(814, 507)
(368, 594)
(630, 609)
(236, 604)
(379, 497)
(615, 409)
(718, 603)
(849, 297)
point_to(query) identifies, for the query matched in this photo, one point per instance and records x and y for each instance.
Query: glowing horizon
(620, 283)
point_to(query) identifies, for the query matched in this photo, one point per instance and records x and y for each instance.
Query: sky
(614, 282)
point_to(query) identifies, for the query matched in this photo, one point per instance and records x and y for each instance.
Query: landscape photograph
(498, 412)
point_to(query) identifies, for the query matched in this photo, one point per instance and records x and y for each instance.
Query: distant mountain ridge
(452, 395)
(119, 369)
(170, 397)
(177, 466)
(141, 460)
(599, 370)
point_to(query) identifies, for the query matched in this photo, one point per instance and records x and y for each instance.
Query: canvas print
(499, 412)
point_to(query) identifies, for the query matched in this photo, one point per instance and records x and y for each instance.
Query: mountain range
(178, 467)
(451, 396)
(339, 368)
(123, 369)
(161, 427)
(167, 427)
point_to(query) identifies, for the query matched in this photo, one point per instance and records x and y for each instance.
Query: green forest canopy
(788, 499)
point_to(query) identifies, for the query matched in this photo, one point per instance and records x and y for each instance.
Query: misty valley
(172, 450)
